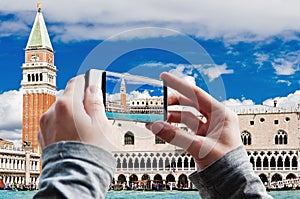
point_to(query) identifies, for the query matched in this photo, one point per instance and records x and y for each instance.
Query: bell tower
(39, 80)
(123, 95)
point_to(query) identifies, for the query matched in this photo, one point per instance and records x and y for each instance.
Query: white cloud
(182, 71)
(215, 71)
(287, 63)
(284, 81)
(292, 100)
(233, 20)
(284, 67)
(187, 73)
(11, 110)
(12, 135)
(238, 102)
(138, 95)
(179, 71)
(11, 116)
(10, 27)
(261, 58)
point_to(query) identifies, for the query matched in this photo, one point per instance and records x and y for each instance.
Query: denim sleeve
(231, 176)
(75, 170)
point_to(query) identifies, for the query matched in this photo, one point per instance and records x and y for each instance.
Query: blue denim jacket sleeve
(75, 170)
(231, 176)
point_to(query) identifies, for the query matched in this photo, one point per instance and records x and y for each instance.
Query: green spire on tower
(39, 37)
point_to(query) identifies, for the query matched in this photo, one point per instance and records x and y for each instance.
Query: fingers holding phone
(212, 137)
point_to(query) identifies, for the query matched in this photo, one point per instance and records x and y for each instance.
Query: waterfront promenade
(156, 195)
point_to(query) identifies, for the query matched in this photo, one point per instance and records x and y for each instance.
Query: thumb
(93, 103)
(172, 134)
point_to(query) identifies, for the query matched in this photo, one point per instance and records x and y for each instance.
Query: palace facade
(270, 135)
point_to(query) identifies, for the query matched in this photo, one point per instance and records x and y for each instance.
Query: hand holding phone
(130, 97)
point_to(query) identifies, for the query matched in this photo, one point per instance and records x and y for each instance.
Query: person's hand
(211, 139)
(77, 115)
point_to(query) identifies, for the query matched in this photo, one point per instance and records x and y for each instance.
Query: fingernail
(148, 125)
(156, 127)
(95, 90)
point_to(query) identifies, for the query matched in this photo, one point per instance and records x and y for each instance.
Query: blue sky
(254, 44)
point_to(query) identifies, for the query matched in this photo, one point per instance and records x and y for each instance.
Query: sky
(242, 52)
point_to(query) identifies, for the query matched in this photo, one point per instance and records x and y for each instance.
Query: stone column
(27, 149)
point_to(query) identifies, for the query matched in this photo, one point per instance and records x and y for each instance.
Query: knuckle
(62, 106)
(44, 120)
(95, 102)
(72, 80)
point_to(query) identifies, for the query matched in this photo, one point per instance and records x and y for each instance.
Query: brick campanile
(39, 80)
(123, 95)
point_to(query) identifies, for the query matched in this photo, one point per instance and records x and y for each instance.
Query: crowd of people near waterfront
(149, 185)
(289, 184)
(17, 186)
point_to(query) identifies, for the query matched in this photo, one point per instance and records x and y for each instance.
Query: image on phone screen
(134, 98)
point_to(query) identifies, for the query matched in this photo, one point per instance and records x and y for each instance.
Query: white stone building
(13, 167)
(270, 135)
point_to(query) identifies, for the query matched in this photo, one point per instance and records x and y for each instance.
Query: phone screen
(134, 98)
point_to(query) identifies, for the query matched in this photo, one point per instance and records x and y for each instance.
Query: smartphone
(130, 97)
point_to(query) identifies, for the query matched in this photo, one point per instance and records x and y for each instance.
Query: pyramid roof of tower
(39, 37)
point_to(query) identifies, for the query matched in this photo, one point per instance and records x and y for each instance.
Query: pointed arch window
(294, 162)
(118, 163)
(129, 138)
(273, 162)
(154, 163)
(266, 163)
(186, 162)
(258, 162)
(280, 163)
(160, 164)
(252, 161)
(287, 162)
(124, 163)
(148, 163)
(179, 163)
(28, 77)
(246, 138)
(281, 137)
(192, 163)
(142, 164)
(130, 163)
(41, 77)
